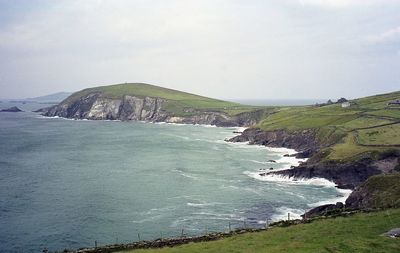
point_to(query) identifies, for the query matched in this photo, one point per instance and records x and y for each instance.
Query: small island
(11, 109)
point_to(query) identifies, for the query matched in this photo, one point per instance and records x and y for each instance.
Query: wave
(288, 151)
(153, 214)
(149, 219)
(181, 124)
(239, 129)
(291, 160)
(239, 188)
(203, 204)
(290, 180)
(73, 119)
(183, 174)
(245, 145)
(282, 213)
(259, 162)
(217, 216)
(341, 197)
(186, 138)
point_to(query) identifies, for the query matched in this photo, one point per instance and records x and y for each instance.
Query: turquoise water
(66, 183)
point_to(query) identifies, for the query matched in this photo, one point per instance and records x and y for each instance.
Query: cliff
(97, 107)
(347, 174)
(155, 104)
(303, 140)
(381, 191)
(346, 145)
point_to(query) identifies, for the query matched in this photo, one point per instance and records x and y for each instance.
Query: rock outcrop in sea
(11, 109)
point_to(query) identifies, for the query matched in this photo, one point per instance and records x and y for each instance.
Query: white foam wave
(183, 174)
(343, 194)
(293, 161)
(282, 213)
(149, 219)
(205, 125)
(290, 180)
(259, 162)
(284, 151)
(240, 129)
(244, 145)
(248, 189)
(186, 138)
(181, 124)
(203, 204)
(216, 216)
(73, 119)
(153, 214)
(167, 123)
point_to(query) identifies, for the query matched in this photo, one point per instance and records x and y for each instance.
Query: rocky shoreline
(96, 107)
(346, 175)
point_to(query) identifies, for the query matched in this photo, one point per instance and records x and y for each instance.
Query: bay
(69, 183)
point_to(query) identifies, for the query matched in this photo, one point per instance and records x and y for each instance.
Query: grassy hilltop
(368, 125)
(177, 101)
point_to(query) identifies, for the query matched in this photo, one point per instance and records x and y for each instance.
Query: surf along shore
(345, 145)
(287, 156)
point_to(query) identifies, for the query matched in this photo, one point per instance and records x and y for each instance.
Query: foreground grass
(357, 233)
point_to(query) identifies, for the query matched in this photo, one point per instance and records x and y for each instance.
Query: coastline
(288, 157)
(280, 213)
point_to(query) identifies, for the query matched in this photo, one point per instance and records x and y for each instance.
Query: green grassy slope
(177, 101)
(357, 129)
(381, 191)
(357, 233)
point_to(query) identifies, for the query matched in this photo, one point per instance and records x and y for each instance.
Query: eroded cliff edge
(95, 106)
(347, 174)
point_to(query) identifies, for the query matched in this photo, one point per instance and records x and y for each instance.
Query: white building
(345, 104)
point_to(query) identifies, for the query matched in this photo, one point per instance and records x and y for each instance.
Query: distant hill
(55, 97)
(146, 102)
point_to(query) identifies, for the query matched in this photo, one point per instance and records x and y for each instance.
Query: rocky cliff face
(304, 140)
(96, 107)
(345, 174)
(381, 191)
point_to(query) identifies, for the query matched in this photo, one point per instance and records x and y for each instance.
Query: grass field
(357, 233)
(385, 135)
(345, 127)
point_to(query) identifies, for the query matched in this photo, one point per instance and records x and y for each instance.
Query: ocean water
(69, 183)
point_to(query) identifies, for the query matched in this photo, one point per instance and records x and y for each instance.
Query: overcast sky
(218, 48)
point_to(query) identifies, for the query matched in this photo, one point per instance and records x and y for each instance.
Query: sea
(68, 184)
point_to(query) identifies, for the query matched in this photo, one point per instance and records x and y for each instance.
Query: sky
(242, 49)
